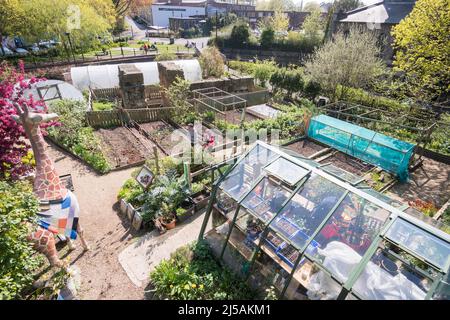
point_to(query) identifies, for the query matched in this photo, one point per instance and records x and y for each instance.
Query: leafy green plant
(18, 260)
(75, 135)
(209, 116)
(193, 273)
(164, 56)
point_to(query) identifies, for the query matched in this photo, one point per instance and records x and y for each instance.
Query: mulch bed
(122, 148)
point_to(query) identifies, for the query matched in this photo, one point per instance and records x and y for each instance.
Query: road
(139, 34)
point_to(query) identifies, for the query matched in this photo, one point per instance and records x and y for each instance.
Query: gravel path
(102, 276)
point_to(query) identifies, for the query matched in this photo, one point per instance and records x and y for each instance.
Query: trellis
(218, 101)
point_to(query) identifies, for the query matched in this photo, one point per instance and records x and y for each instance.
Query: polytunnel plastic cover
(391, 154)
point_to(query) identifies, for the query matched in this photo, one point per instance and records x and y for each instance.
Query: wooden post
(155, 152)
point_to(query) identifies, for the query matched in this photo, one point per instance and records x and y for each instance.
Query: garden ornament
(59, 211)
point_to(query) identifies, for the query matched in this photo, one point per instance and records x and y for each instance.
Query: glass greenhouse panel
(420, 242)
(307, 209)
(384, 198)
(240, 180)
(341, 174)
(225, 203)
(287, 171)
(443, 289)
(348, 234)
(266, 199)
(387, 278)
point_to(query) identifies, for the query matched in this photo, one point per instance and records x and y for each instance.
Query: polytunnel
(107, 76)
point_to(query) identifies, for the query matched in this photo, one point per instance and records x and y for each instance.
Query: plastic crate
(272, 245)
(279, 229)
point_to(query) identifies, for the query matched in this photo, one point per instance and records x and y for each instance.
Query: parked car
(6, 51)
(21, 51)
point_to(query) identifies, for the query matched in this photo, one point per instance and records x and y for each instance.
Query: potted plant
(166, 217)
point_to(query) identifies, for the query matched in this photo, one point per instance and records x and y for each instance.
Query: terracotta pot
(169, 225)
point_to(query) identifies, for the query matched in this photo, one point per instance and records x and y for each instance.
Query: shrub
(312, 89)
(267, 38)
(289, 79)
(163, 56)
(18, 260)
(240, 34)
(212, 62)
(192, 273)
(264, 70)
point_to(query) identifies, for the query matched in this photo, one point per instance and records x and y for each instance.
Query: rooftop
(390, 12)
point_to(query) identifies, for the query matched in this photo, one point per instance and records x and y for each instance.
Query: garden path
(429, 183)
(102, 276)
(141, 257)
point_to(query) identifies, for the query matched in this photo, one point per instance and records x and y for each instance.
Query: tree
(347, 60)
(12, 14)
(311, 6)
(422, 48)
(212, 62)
(276, 5)
(240, 34)
(267, 38)
(279, 21)
(15, 156)
(50, 19)
(313, 27)
(346, 5)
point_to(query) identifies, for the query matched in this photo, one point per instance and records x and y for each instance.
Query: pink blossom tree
(14, 147)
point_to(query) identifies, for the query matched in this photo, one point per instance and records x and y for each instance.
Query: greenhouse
(391, 154)
(314, 231)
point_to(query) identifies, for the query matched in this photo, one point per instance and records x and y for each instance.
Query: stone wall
(131, 83)
(168, 72)
(234, 84)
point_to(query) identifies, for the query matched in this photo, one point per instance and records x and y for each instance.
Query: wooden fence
(109, 94)
(119, 117)
(151, 92)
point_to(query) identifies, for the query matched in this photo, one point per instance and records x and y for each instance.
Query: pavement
(141, 257)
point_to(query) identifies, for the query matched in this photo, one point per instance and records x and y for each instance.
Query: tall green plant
(18, 261)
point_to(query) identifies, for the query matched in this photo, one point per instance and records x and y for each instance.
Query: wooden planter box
(133, 214)
(200, 199)
(190, 210)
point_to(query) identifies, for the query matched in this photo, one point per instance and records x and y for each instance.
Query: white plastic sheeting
(49, 91)
(107, 76)
(374, 283)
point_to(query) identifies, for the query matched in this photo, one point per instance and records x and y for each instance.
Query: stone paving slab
(141, 257)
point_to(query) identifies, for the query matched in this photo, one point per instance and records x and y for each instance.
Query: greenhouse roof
(302, 203)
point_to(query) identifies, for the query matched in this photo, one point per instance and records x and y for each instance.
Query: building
(162, 11)
(379, 17)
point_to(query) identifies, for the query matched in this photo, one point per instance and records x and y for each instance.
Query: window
(307, 209)
(388, 278)
(348, 234)
(420, 242)
(242, 177)
(286, 171)
(266, 199)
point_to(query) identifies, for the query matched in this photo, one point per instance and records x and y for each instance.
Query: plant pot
(170, 225)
